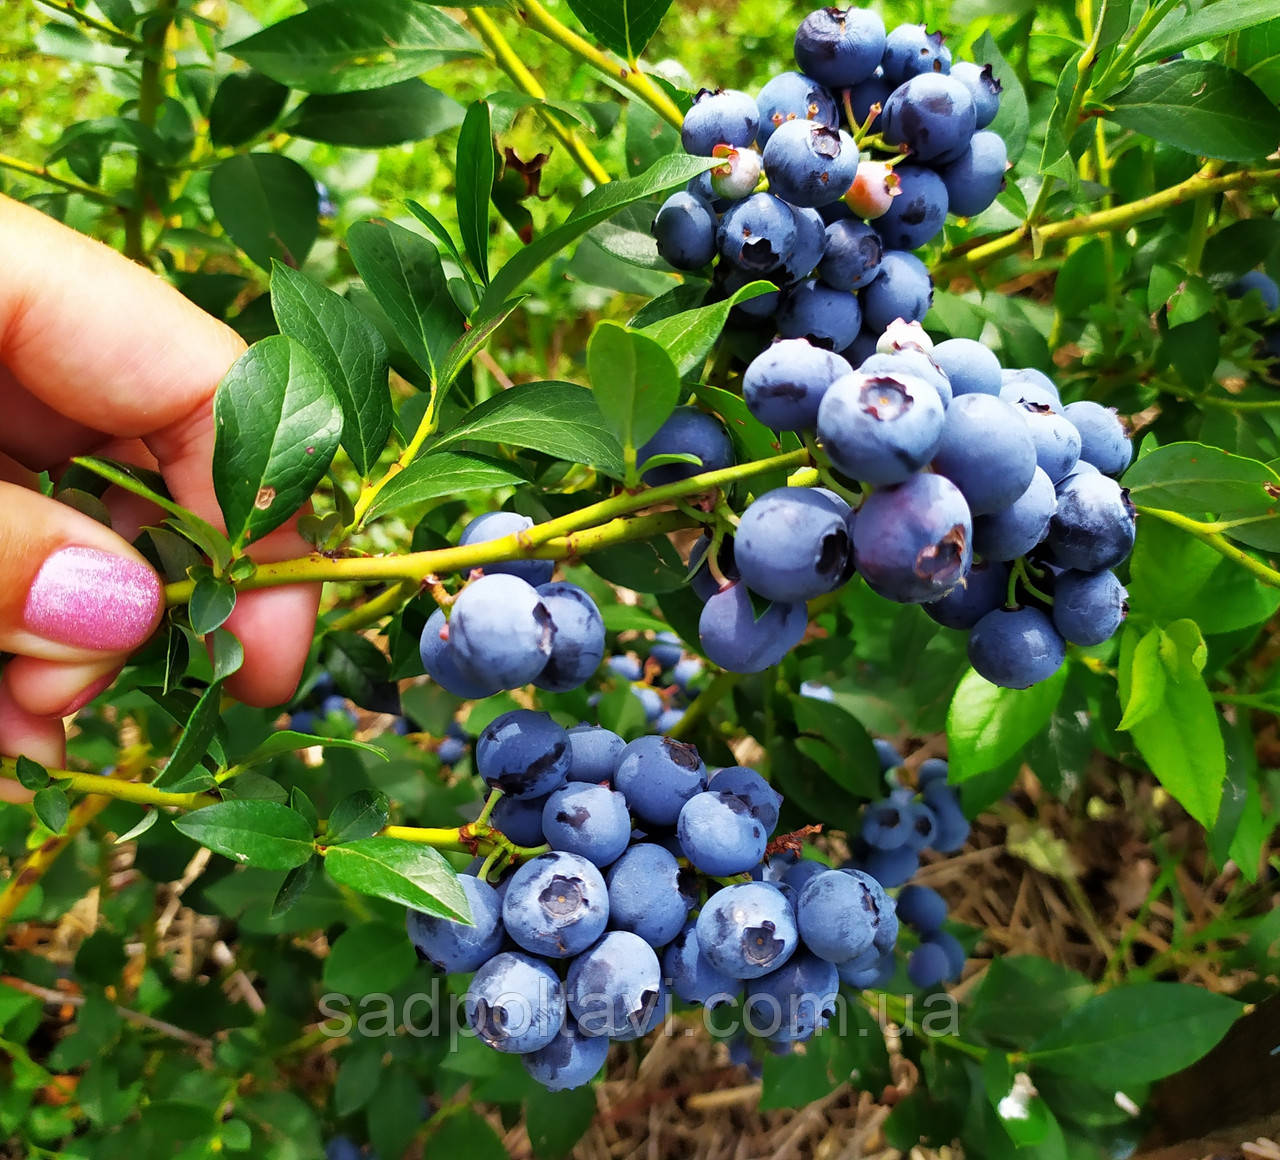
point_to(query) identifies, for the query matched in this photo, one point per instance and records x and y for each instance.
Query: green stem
(150, 95)
(1218, 542)
(1019, 575)
(1198, 234)
(1124, 58)
(630, 75)
(41, 173)
(896, 1007)
(138, 792)
(372, 611)
(83, 18)
(509, 61)
(485, 814)
(1246, 701)
(558, 539)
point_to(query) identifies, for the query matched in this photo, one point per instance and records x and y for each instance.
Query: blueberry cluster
(660, 880)
(834, 230)
(985, 499)
(513, 625)
(662, 684)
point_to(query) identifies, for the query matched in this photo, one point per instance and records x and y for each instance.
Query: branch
(151, 83)
(116, 34)
(1208, 534)
(42, 173)
(138, 792)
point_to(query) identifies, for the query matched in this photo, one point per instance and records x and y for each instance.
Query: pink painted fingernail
(90, 599)
(87, 695)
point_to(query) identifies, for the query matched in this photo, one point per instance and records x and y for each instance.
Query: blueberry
(570, 1060)
(747, 930)
(986, 451)
(840, 47)
(916, 216)
(783, 385)
(668, 719)
(888, 754)
(734, 638)
(976, 177)
(913, 542)
(688, 670)
(687, 431)
(615, 986)
(902, 289)
(440, 660)
(868, 972)
(647, 893)
(927, 965)
(892, 867)
(792, 96)
(839, 913)
(809, 164)
(951, 948)
(589, 820)
(953, 826)
(922, 825)
(456, 947)
(860, 349)
(701, 579)
(685, 230)
(501, 630)
(874, 186)
(912, 361)
(851, 258)
(515, 1003)
(793, 1003)
(1056, 438)
(520, 819)
(1014, 531)
(910, 49)
(625, 666)
(738, 173)
(593, 753)
(811, 244)
(758, 233)
(932, 114)
(692, 976)
(722, 117)
(931, 769)
(1016, 648)
(450, 751)
(922, 908)
(342, 1147)
(556, 905)
(971, 367)
(983, 589)
(658, 775)
(886, 825)
(649, 1019)
(828, 318)
(792, 544)
(730, 280)
(1257, 282)
(880, 428)
(577, 637)
(1026, 386)
(762, 799)
(651, 699)
(1103, 439)
(983, 87)
(1093, 527)
(1088, 607)
(797, 876)
(496, 526)
(667, 649)
(523, 753)
(719, 834)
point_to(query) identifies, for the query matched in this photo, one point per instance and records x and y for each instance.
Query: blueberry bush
(745, 450)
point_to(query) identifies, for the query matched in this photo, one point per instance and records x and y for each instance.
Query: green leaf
(1187, 27)
(268, 835)
(987, 725)
(1193, 478)
(227, 653)
(856, 767)
(634, 382)
(1055, 157)
(469, 1135)
(52, 807)
(471, 342)
(1081, 280)
(600, 203)
(559, 419)
(1143, 693)
(196, 738)
(1023, 997)
(624, 28)
(140, 827)
(245, 105)
(295, 885)
(438, 474)
(361, 815)
(1137, 1033)
(403, 272)
(356, 664)
(348, 349)
(269, 206)
(689, 336)
(406, 873)
(349, 45)
(31, 774)
(369, 959)
(289, 741)
(376, 118)
(1013, 121)
(1202, 107)
(277, 426)
(474, 177)
(212, 601)
(1258, 56)
(556, 1121)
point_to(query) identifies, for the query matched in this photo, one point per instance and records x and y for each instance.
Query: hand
(99, 356)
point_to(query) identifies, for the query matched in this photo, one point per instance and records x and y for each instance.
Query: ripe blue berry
(734, 638)
(927, 965)
(1025, 387)
(515, 1003)
(986, 451)
(687, 431)
(889, 756)
(615, 986)
(826, 317)
(719, 834)
(577, 637)
(792, 96)
(839, 913)
(983, 87)
(758, 233)
(811, 244)
(902, 289)
(931, 769)
(667, 650)
(953, 826)
(747, 930)
(1056, 438)
(647, 894)
(658, 775)
(685, 230)
(810, 164)
(840, 46)
(869, 971)
(892, 867)
(913, 542)
(455, 947)
(1093, 527)
(912, 361)
(975, 178)
(556, 905)
(440, 660)
(586, 819)
(723, 117)
(496, 525)
(692, 976)
(762, 799)
(1088, 607)
(981, 591)
(523, 753)
(910, 49)
(851, 257)
(570, 1060)
(922, 908)
(932, 114)
(792, 544)
(520, 819)
(1103, 440)
(971, 367)
(1255, 281)
(784, 384)
(1014, 531)
(593, 753)
(880, 427)
(1016, 648)
(501, 630)
(791, 1004)
(916, 216)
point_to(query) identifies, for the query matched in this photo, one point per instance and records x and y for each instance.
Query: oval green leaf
(269, 206)
(268, 835)
(406, 873)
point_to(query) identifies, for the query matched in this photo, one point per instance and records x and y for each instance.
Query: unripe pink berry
(874, 187)
(738, 176)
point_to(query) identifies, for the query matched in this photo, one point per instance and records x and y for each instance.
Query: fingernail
(87, 695)
(90, 599)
